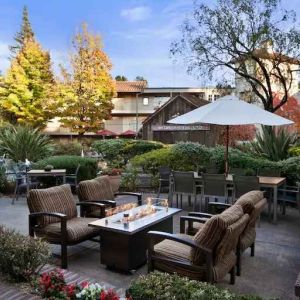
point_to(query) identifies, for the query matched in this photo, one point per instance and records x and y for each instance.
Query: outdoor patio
(270, 273)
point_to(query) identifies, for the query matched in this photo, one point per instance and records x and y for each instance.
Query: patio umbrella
(230, 110)
(106, 132)
(128, 133)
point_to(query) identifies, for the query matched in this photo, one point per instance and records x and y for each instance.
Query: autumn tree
(88, 88)
(25, 34)
(253, 40)
(27, 92)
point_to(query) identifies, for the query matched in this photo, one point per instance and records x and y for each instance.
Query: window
(216, 97)
(210, 98)
(146, 101)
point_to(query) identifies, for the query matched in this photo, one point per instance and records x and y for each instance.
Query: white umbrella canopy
(230, 110)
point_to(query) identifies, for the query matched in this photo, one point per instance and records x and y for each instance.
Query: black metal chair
(184, 185)
(289, 194)
(164, 179)
(214, 185)
(72, 179)
(244, 184)
(22, 185)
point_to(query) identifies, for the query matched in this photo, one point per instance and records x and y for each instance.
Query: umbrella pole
(226, 150)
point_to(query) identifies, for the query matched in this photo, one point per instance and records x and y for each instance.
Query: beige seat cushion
(57, 199)
(213, 230)
(77, 229)
(174, 249)
(248, 238)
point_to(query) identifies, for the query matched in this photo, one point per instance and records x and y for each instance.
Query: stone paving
(271, 273)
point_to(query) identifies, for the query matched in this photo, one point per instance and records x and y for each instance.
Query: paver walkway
(270, 274)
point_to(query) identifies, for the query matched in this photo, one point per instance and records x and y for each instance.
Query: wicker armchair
(53, 216)
(99, 190)
(208, 256)
(253, 203)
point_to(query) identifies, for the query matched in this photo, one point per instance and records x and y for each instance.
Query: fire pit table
(124, 235)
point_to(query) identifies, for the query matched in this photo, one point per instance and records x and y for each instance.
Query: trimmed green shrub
(163, 286)
(294, 151)
(123, 149)
(21, 256)
(110, 149)
(138, 147)
(21, 142)
(150, 161)
(88, 166)
(70, 148)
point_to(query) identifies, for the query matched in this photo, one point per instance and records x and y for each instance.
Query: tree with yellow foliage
(27, 91)
(87, 90)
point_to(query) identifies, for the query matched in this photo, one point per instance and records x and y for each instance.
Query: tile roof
(130, 86)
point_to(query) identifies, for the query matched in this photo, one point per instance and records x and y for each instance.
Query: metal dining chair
(183, 185)
(164, 179)
(244, 184)
(72, 179)
(289, 194)
(214, 185)
(22, 185)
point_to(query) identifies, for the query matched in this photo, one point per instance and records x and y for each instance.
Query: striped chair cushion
(95, 189)
(230, 238)
(222, 267)
(213, 230)
(77, 229)
(249, 200)
(248, 238)
(57, 199)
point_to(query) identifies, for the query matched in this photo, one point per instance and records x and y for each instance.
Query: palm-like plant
(273, 144)
(21, 142)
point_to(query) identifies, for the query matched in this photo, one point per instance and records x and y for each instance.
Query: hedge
(121, 149)
(163, 286)
(88, 166)
(69, 148)
(191, 156)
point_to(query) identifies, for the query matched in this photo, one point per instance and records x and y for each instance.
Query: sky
(137, 34)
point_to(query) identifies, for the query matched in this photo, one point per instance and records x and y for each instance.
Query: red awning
(106, 132)
(128, 133)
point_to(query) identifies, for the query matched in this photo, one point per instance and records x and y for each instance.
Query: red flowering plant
(52, 285)
(112, 171)
(109, 295)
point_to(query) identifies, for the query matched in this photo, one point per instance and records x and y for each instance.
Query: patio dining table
(264, 182)
(42, 173)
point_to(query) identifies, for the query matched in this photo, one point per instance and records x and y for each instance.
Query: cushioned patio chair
(164, 174)
(53, 217)
(208, 256)
(244, 184)
(183, 184)
(99, 190)
(253, 203)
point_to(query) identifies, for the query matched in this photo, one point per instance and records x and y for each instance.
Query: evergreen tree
(26, 33)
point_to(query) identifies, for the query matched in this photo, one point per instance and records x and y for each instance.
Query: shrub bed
(162, 286)
(123, 150)
(70, 148)
(88, 166)
(21, 256)
(191, 156)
